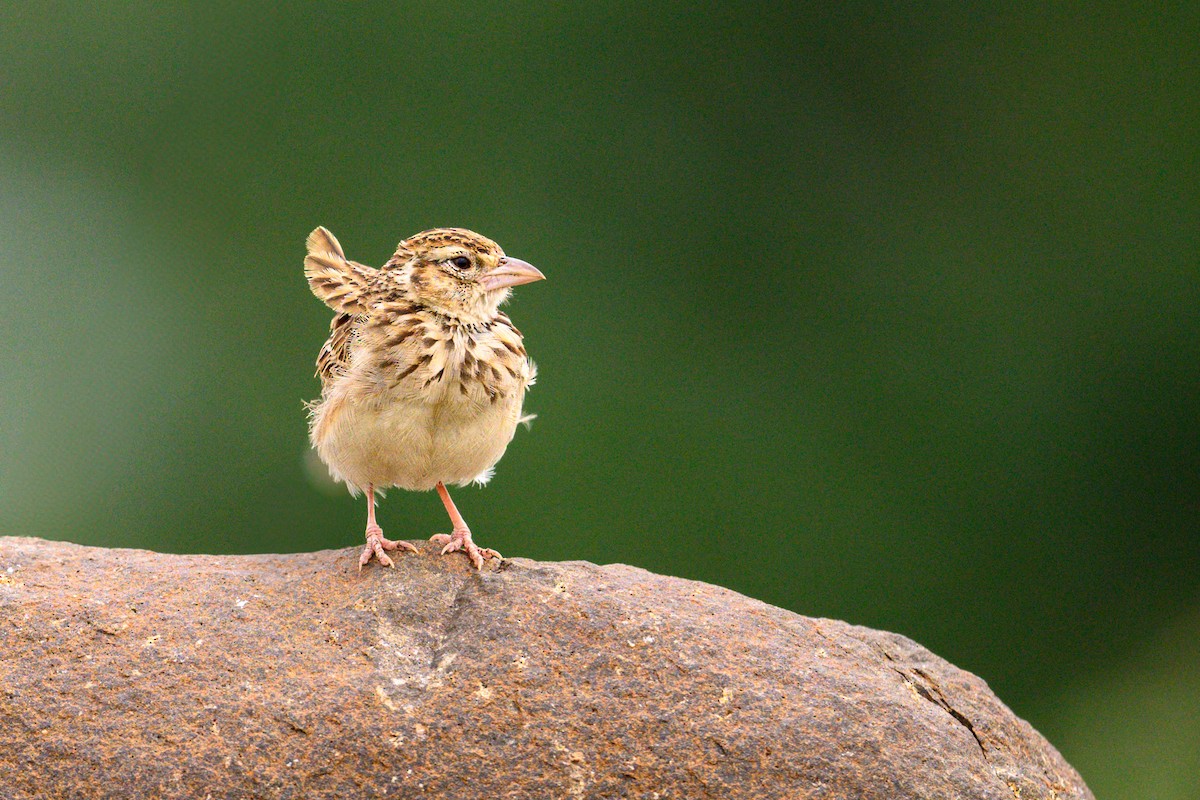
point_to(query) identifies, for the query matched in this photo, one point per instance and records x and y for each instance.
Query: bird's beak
(510, 272)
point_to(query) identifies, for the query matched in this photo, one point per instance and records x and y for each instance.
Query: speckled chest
(416, 351)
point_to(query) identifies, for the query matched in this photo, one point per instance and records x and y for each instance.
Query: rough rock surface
(125, 673)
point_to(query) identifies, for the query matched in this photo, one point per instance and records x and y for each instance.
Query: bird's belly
(412, 444)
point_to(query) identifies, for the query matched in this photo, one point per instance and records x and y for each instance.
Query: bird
(423, 377)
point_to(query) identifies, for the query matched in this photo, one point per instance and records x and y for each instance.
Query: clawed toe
(376, 547)
(461, 540)
(373, 550)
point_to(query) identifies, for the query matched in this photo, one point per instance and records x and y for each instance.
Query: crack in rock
(927, 691)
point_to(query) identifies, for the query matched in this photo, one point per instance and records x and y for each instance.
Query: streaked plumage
(423, 378)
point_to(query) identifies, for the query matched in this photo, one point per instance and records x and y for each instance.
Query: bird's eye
(460, 262)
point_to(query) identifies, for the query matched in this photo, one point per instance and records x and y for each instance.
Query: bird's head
(459, 273)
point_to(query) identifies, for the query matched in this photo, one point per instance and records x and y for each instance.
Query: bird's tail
(342, 285)
(322, 241)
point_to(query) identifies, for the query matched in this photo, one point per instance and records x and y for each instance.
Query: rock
(126, 673)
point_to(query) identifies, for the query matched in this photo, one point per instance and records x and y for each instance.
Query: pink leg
(376, 544)
(460, 538)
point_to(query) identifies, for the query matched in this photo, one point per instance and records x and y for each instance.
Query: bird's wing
(342, 285)
(334, 357)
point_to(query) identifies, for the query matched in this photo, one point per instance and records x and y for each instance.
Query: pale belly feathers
(413, 440)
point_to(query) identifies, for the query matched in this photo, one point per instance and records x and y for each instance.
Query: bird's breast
(424, 408)
(457, 366)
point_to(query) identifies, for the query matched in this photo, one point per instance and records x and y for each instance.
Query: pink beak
(510, 272)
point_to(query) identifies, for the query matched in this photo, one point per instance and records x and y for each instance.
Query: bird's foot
(460, 539)
(376, 545)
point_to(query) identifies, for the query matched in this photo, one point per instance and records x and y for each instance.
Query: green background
(884, 313)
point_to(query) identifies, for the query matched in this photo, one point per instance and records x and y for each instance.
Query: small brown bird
(422, 378)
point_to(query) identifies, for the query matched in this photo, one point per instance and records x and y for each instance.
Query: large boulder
(126, 673)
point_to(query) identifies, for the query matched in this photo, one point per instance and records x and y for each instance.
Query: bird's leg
(460, 537)
(376, 544)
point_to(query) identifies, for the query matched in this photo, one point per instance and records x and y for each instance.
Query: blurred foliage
(873, 312)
